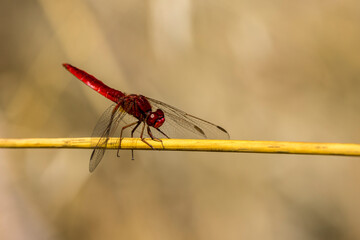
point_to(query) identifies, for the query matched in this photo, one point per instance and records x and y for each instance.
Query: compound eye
(159, 122)
(156, 119)
(159, 113)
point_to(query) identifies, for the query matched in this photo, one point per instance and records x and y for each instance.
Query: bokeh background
(263, 70)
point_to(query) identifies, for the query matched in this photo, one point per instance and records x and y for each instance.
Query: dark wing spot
(222, 129)
(199, 130)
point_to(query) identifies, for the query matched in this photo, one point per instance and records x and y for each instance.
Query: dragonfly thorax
(139, 107)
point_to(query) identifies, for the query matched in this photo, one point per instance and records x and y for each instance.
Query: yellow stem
(346, 149)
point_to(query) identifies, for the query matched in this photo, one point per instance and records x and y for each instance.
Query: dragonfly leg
(162, 133)
(154, 138)
(123, 128)
(137, 125)
(132, 135)
(142, 138)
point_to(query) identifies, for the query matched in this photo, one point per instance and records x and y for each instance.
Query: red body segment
(136, 105)
(108, 92)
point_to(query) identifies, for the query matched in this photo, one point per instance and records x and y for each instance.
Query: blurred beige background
(263, 70)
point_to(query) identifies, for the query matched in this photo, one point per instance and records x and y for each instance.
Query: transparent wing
(105, 127)
(180, 124)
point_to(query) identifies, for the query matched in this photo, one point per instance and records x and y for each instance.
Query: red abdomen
(108, 92)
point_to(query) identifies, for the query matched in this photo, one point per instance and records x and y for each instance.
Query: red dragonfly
(133, 110)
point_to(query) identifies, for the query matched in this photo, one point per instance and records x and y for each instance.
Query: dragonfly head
(156, 119)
